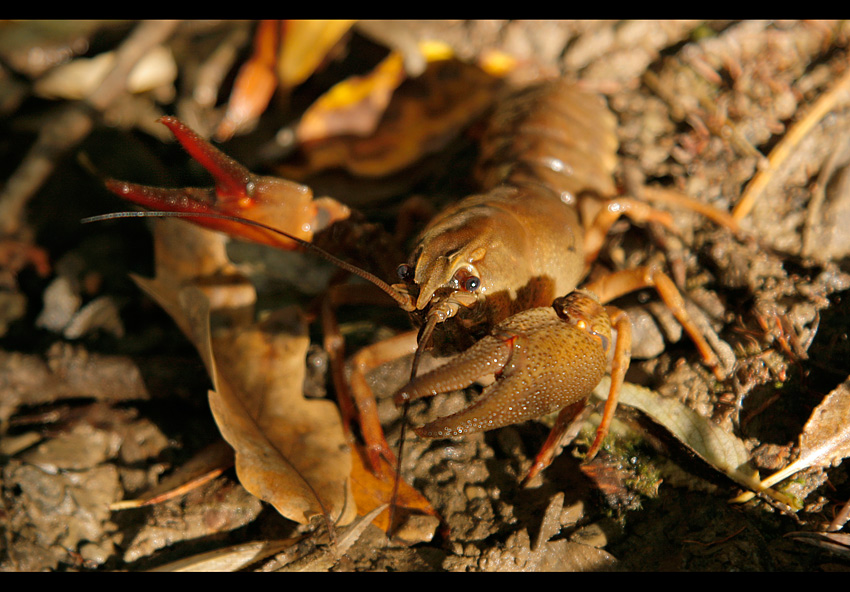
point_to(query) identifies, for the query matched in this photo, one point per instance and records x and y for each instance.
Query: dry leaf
(353, 106)
(290, 451)
(720, 449)
(424, 115)
(825, 439)
(374, 492)
(228, 559)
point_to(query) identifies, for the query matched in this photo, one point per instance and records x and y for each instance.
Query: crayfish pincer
(545, 359)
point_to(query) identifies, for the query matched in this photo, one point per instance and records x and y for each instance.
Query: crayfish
(493, 278)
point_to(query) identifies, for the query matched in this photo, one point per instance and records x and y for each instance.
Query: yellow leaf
(433, 50)
(497, 63)
(354, 106)
(305, 46)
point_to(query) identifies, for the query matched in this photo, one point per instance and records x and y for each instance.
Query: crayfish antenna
(304, 245)
(422, 342)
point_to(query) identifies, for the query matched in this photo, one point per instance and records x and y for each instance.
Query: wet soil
(101, 397)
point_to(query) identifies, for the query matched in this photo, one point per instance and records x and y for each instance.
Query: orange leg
(356, 400)
(623, 282)
(362, 363)
(547, 452)
(255, 83)
(619, 365)
(610, 211)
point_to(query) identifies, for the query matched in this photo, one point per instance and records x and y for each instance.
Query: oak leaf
(290, 451)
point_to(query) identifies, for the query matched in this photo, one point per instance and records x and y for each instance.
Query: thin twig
(826, 103)
(840, 519)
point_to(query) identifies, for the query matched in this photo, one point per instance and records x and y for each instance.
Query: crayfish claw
(543, 359)
(487, 356)
(232, 180)
(277, 203)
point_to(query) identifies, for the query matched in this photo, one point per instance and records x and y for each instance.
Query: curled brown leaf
(290, 451)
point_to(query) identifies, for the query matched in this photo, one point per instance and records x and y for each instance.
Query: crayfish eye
(465, 280)
(471, 283)
(405, 272)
